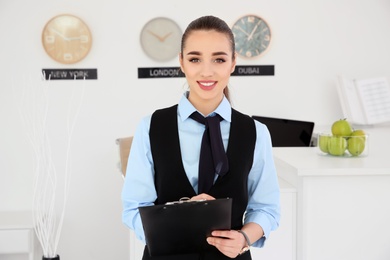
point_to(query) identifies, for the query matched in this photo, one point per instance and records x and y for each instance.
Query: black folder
(181, 228)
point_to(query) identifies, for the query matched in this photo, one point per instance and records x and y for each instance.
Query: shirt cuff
(265, 224)
(138, 229)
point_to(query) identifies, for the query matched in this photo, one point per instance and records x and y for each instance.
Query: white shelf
(17, 234)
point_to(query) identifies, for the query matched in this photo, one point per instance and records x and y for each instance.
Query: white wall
(313, 42)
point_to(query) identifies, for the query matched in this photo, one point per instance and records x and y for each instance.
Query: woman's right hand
(202, 196)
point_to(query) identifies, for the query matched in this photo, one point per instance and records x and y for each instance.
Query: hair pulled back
(209, 23)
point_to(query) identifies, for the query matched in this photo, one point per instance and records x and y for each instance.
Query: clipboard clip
(183, 200)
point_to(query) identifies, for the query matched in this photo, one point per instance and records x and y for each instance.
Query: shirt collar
(185, 108)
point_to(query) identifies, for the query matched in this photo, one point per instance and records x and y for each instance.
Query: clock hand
(166, 36)
(157, 36)
(242, 30)
(253, 31)
(60, 34)
(82, 38)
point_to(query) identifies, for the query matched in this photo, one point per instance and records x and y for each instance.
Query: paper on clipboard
(182, 228)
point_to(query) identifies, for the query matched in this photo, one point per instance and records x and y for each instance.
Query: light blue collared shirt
(263, 188)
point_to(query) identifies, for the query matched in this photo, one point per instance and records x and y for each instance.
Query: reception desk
(343, 204)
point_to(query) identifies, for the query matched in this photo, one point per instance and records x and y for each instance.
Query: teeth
(208, 84)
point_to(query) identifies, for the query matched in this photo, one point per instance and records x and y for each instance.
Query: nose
(207, 69)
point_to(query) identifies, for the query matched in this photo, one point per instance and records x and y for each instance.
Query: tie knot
(205, 120)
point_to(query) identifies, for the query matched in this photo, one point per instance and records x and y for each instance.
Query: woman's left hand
(228, 242)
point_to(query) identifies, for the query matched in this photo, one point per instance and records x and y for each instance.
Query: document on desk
(182, 227)
(365, 101)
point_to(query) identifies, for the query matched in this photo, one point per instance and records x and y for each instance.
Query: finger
(226, 238)
(227, 247)
(232, 234)
(203, 196)
(229, 242)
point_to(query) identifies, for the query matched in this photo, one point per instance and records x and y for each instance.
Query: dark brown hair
(210, 23)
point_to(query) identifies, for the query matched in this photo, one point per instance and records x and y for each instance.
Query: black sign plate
(162, 72)
(69, 74)
(254, 70)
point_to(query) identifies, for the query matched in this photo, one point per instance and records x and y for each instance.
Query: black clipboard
(182, 227)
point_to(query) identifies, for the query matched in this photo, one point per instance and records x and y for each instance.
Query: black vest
(171, 181)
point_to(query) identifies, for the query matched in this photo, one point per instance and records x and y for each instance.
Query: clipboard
(182, 227)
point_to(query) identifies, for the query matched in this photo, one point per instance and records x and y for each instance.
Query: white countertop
(308, 161)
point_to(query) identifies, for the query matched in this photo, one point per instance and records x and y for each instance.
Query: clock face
(252, 36)
(66, 39)
(161, 39)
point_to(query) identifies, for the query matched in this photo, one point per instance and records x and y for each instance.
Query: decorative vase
(57, 257)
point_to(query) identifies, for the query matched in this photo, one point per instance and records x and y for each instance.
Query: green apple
(337, 145)
(342, 128)
(323, 141)
(359, 133)
(356, 145)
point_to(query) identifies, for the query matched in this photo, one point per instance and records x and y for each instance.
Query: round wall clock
(66, 39)
(161, 39)
(252, 36)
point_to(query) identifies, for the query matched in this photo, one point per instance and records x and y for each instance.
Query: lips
(207, 85)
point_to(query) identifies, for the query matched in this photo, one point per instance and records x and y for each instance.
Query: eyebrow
(213, 54)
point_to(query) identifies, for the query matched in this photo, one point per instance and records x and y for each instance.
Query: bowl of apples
(343, 141)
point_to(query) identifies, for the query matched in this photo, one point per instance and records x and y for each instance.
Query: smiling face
(207, 61)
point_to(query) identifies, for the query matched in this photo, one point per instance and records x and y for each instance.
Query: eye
(219, 60)
(194, 60)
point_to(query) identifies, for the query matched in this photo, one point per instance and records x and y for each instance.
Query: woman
(165, 153)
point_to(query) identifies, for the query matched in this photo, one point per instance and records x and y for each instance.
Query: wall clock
(161, 39)
(252, 36)
(66, 39)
